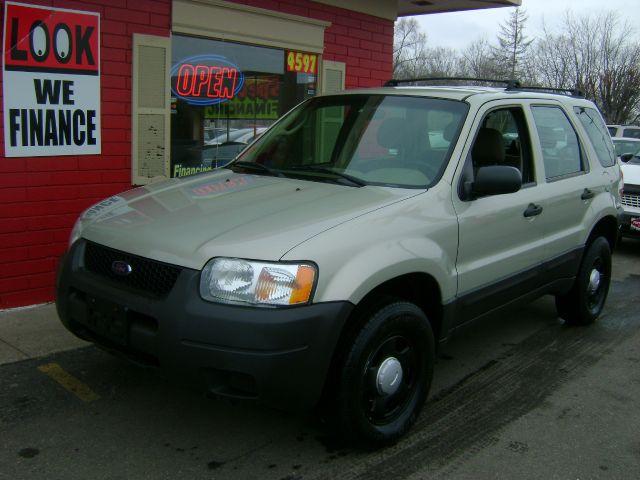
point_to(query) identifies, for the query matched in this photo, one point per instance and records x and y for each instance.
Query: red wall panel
(40, 198)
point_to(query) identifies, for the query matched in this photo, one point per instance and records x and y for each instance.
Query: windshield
(386, 140)
(631, 132)
(626, 146)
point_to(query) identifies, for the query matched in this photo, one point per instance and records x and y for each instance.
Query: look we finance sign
(51, 86)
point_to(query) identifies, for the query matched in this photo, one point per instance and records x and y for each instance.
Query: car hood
(189, 221)
(631, 174)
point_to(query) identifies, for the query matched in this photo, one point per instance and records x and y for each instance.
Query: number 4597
(301, 62)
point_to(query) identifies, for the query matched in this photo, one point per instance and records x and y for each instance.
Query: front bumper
(625, 222)
(278, 356)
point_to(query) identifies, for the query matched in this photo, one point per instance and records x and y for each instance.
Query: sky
(458, 29)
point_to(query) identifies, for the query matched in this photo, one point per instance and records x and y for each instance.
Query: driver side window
(503, 139)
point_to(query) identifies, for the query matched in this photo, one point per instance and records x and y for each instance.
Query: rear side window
(560, 145)
(612, 131)
(631, 133)
(597, 133)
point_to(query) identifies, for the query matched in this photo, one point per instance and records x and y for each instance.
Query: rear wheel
(585, 301)
(386, 375)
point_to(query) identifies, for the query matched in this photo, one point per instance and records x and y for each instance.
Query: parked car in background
(211, 133)
(631, 196)
(628, 131)
(217, 155)
(249, 137)
(191, 157)
(233, 135)
(625, 146)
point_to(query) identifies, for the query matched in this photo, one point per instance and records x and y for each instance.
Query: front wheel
(585, 301)
(386, 375)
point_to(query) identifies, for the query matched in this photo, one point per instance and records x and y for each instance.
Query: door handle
(533, 210)
(587, 194)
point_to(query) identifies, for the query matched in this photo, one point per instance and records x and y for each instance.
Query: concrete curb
(34, 331)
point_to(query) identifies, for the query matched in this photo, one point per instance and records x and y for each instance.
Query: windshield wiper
(257, 167)
(349, 178)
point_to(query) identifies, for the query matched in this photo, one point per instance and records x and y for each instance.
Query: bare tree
(512, 45)
(409, 45)
(441, 62)
(413, 58)
(477, 60)
(596, 55)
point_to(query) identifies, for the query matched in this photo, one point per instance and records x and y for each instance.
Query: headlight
(233, 280)
(76, 231)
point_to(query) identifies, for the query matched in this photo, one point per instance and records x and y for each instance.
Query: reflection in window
(559, 141)
(225, 95)
(596, 130)
(375, 139)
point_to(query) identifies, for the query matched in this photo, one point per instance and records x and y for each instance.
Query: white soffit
(391, 9)
(421, 7)
(236, 22)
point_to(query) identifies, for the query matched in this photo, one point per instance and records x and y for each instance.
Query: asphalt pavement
(518, 395)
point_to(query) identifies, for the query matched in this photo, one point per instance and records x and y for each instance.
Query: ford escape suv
(332, 257)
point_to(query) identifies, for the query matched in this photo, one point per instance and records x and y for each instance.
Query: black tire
(362, 413)
(583, 304)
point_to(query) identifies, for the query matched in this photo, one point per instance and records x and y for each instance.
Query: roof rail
(509, 83)
(573, 92)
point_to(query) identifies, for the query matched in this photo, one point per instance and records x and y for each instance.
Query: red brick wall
(40, 198)
(363, 42)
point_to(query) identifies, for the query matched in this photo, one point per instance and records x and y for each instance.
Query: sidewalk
(33, 332)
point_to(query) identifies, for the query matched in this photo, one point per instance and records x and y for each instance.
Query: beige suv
(332, 258)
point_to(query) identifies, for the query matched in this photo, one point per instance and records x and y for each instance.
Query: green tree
(510, 53)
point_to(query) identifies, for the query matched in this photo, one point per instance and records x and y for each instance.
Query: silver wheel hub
(389, 377)
(594, 281)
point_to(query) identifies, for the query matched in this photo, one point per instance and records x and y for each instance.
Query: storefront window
(225, 94)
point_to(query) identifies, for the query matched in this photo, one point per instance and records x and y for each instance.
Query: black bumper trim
(277, 356)
(245, 351)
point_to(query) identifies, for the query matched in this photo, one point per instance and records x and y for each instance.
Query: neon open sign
(206, 80)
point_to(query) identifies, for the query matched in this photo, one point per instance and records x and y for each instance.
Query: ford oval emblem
(121, 268)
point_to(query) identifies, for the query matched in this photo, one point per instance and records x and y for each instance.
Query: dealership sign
(51, 81)
(206, 80)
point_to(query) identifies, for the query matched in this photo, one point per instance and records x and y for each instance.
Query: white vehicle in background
(630, 198)
(628, 131)
(249, 137)
(626, 147)
(241, 135)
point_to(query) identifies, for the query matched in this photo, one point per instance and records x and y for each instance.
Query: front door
(500, 238)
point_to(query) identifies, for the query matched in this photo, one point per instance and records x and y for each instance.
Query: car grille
(631, 199)
(148, 276)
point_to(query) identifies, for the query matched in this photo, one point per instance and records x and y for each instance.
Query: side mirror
(496, 180)
(625, 157)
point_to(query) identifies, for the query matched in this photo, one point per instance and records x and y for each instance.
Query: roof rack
(574, 92)
(509, 83)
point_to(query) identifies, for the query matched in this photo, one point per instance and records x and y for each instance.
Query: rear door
(569, 185)
(500, 249)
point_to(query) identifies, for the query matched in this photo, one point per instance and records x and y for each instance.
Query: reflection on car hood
(188, 221)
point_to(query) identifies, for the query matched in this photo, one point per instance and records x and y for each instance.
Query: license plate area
(635, 224)
(107, 319)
